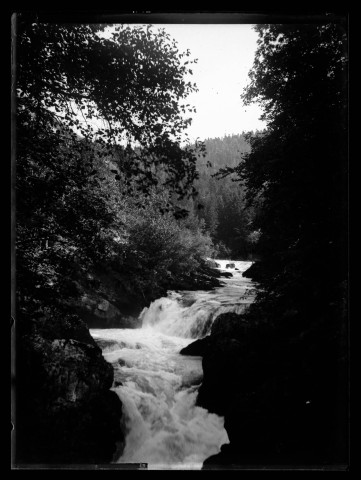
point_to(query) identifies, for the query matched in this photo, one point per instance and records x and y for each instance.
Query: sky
(225, 55)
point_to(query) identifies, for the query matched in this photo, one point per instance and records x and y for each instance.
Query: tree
(297, 169)
(225, 212)
(82, 97)
(98, 119)
(296, 178)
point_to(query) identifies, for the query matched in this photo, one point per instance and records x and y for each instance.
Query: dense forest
(113, 210)
(221, 200)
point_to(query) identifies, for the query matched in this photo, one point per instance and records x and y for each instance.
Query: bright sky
(225, 55)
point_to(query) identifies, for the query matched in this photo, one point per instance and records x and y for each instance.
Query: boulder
(197, 348)
(230, 265)
(273, 389)
(212, 263)
(69, 326)
(71, 369)
(221, 364)
(201, 280)
(109, 299)
(99, 312)
(257, 272)
(108, 344)
(65, 410)
(231, 325)
(187, 300)
(103, 306)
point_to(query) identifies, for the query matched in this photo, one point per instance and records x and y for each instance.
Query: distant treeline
(221, 199)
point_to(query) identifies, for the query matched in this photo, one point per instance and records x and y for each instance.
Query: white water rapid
(158, 386)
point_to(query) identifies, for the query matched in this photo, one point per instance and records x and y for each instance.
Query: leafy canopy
(296, 171)
(99, 118)
(124, 89)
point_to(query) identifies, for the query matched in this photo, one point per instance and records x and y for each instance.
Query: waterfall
(167, 315)
(158, 386)
(191, 315)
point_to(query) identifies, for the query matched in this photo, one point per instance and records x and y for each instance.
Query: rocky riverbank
(281, 389)
(108, 299)
(65, 410)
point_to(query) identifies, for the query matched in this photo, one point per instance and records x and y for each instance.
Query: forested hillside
(221, 200)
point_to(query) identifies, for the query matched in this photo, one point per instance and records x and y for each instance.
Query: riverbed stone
(212, 263)
(103, 306)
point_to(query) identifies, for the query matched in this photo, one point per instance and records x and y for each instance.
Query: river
(158, 386)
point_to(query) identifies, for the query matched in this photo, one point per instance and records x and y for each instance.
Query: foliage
(296, 172)
(99, 175)
(226, 215)
(159, 245)
(98, 117)
(132, 82)
(288, 402)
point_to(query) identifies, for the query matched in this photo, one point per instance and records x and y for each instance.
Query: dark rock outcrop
(256, 271)
(108, 299)
(277, 391)
(226, 325)
(205, 278)
(222, 357)
(230, 324)
(197, 348)
(98, 312)
(280, 393)
(65, 411)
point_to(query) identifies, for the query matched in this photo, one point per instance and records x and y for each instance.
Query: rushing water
(158, 386)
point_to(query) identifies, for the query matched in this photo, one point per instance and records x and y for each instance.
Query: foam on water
(158, 386)
(191, 314)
